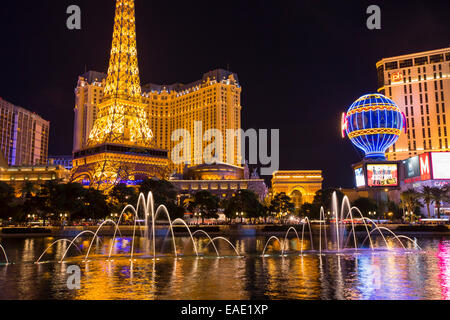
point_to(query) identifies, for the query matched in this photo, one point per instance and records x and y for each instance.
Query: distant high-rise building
(419, 84)
(23, 136)
(64, 161)
(215, 100)
(88, 95)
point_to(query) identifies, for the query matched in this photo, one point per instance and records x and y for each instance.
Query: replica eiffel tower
(119, 146)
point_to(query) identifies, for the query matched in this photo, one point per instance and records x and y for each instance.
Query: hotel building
(215, 101)
(419, 84)
(221, 179)
(64, 161)
(88, 95)
(23, 136)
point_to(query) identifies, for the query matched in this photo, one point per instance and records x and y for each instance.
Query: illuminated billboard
(412, 167)
(425, 167)
(360, 178)
(382, 175)
(441, 165)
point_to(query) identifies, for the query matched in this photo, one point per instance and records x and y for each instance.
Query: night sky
(300, 63)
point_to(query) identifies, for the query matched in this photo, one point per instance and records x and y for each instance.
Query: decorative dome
(373, 123)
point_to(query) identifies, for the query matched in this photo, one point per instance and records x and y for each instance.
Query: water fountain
(338, 230)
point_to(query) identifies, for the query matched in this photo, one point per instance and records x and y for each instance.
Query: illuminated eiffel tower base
(119, 147)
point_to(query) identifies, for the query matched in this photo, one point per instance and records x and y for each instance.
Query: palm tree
(410, 200)
(28, 190)
(440, 195)
(206, 204)
(427, 196)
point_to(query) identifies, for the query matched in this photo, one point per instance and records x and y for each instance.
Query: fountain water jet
(395, 236)
(310, 234)
(267, 243)
(55, 242)
(210, 240)
(226, 240)
(96, 235)
(190, 233)
(298, 238)
(4, 253)
(73, 241)
(163, 208)
(322, 218)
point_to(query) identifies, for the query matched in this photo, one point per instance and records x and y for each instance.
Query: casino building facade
(419, 83)
(17, 176)
(215, 101)
(221, 179)
(385, 181)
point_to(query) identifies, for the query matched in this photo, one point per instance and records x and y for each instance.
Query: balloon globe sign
(373, 123)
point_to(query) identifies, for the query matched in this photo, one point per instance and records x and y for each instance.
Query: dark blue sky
(300, 63)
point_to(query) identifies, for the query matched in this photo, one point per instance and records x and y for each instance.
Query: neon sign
(425, 168)
(344, 124)
(397, 77)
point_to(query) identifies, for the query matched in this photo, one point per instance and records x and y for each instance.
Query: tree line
(54, 201)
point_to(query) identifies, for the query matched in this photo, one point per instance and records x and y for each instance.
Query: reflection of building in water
(221, 179)
(300, 185)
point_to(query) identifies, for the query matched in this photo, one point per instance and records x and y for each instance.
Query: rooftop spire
(122, 118)
(123, 72)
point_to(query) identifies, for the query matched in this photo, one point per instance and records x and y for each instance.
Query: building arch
(297, 194)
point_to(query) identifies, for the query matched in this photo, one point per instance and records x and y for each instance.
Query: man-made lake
(379, 274)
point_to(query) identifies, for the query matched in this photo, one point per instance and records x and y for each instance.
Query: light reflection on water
(383, 274)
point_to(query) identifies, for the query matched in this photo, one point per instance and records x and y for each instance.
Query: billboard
(425, 166)
(441, 165)
(412, 167)
(360, 177)
(382, 175)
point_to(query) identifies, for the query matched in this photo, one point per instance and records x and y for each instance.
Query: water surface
(379, 274)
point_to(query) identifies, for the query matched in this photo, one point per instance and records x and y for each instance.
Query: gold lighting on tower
(122, 117)
(118, 149)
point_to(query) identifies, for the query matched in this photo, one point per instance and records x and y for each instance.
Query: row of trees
(71, 201)
(411, 200)
(53, 201)
(244, 204)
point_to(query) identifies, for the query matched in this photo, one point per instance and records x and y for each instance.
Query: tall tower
(118, 149)
(122, 117)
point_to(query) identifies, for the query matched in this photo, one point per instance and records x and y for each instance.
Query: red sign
(344, 124)
(425, 166)
(397, 77)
